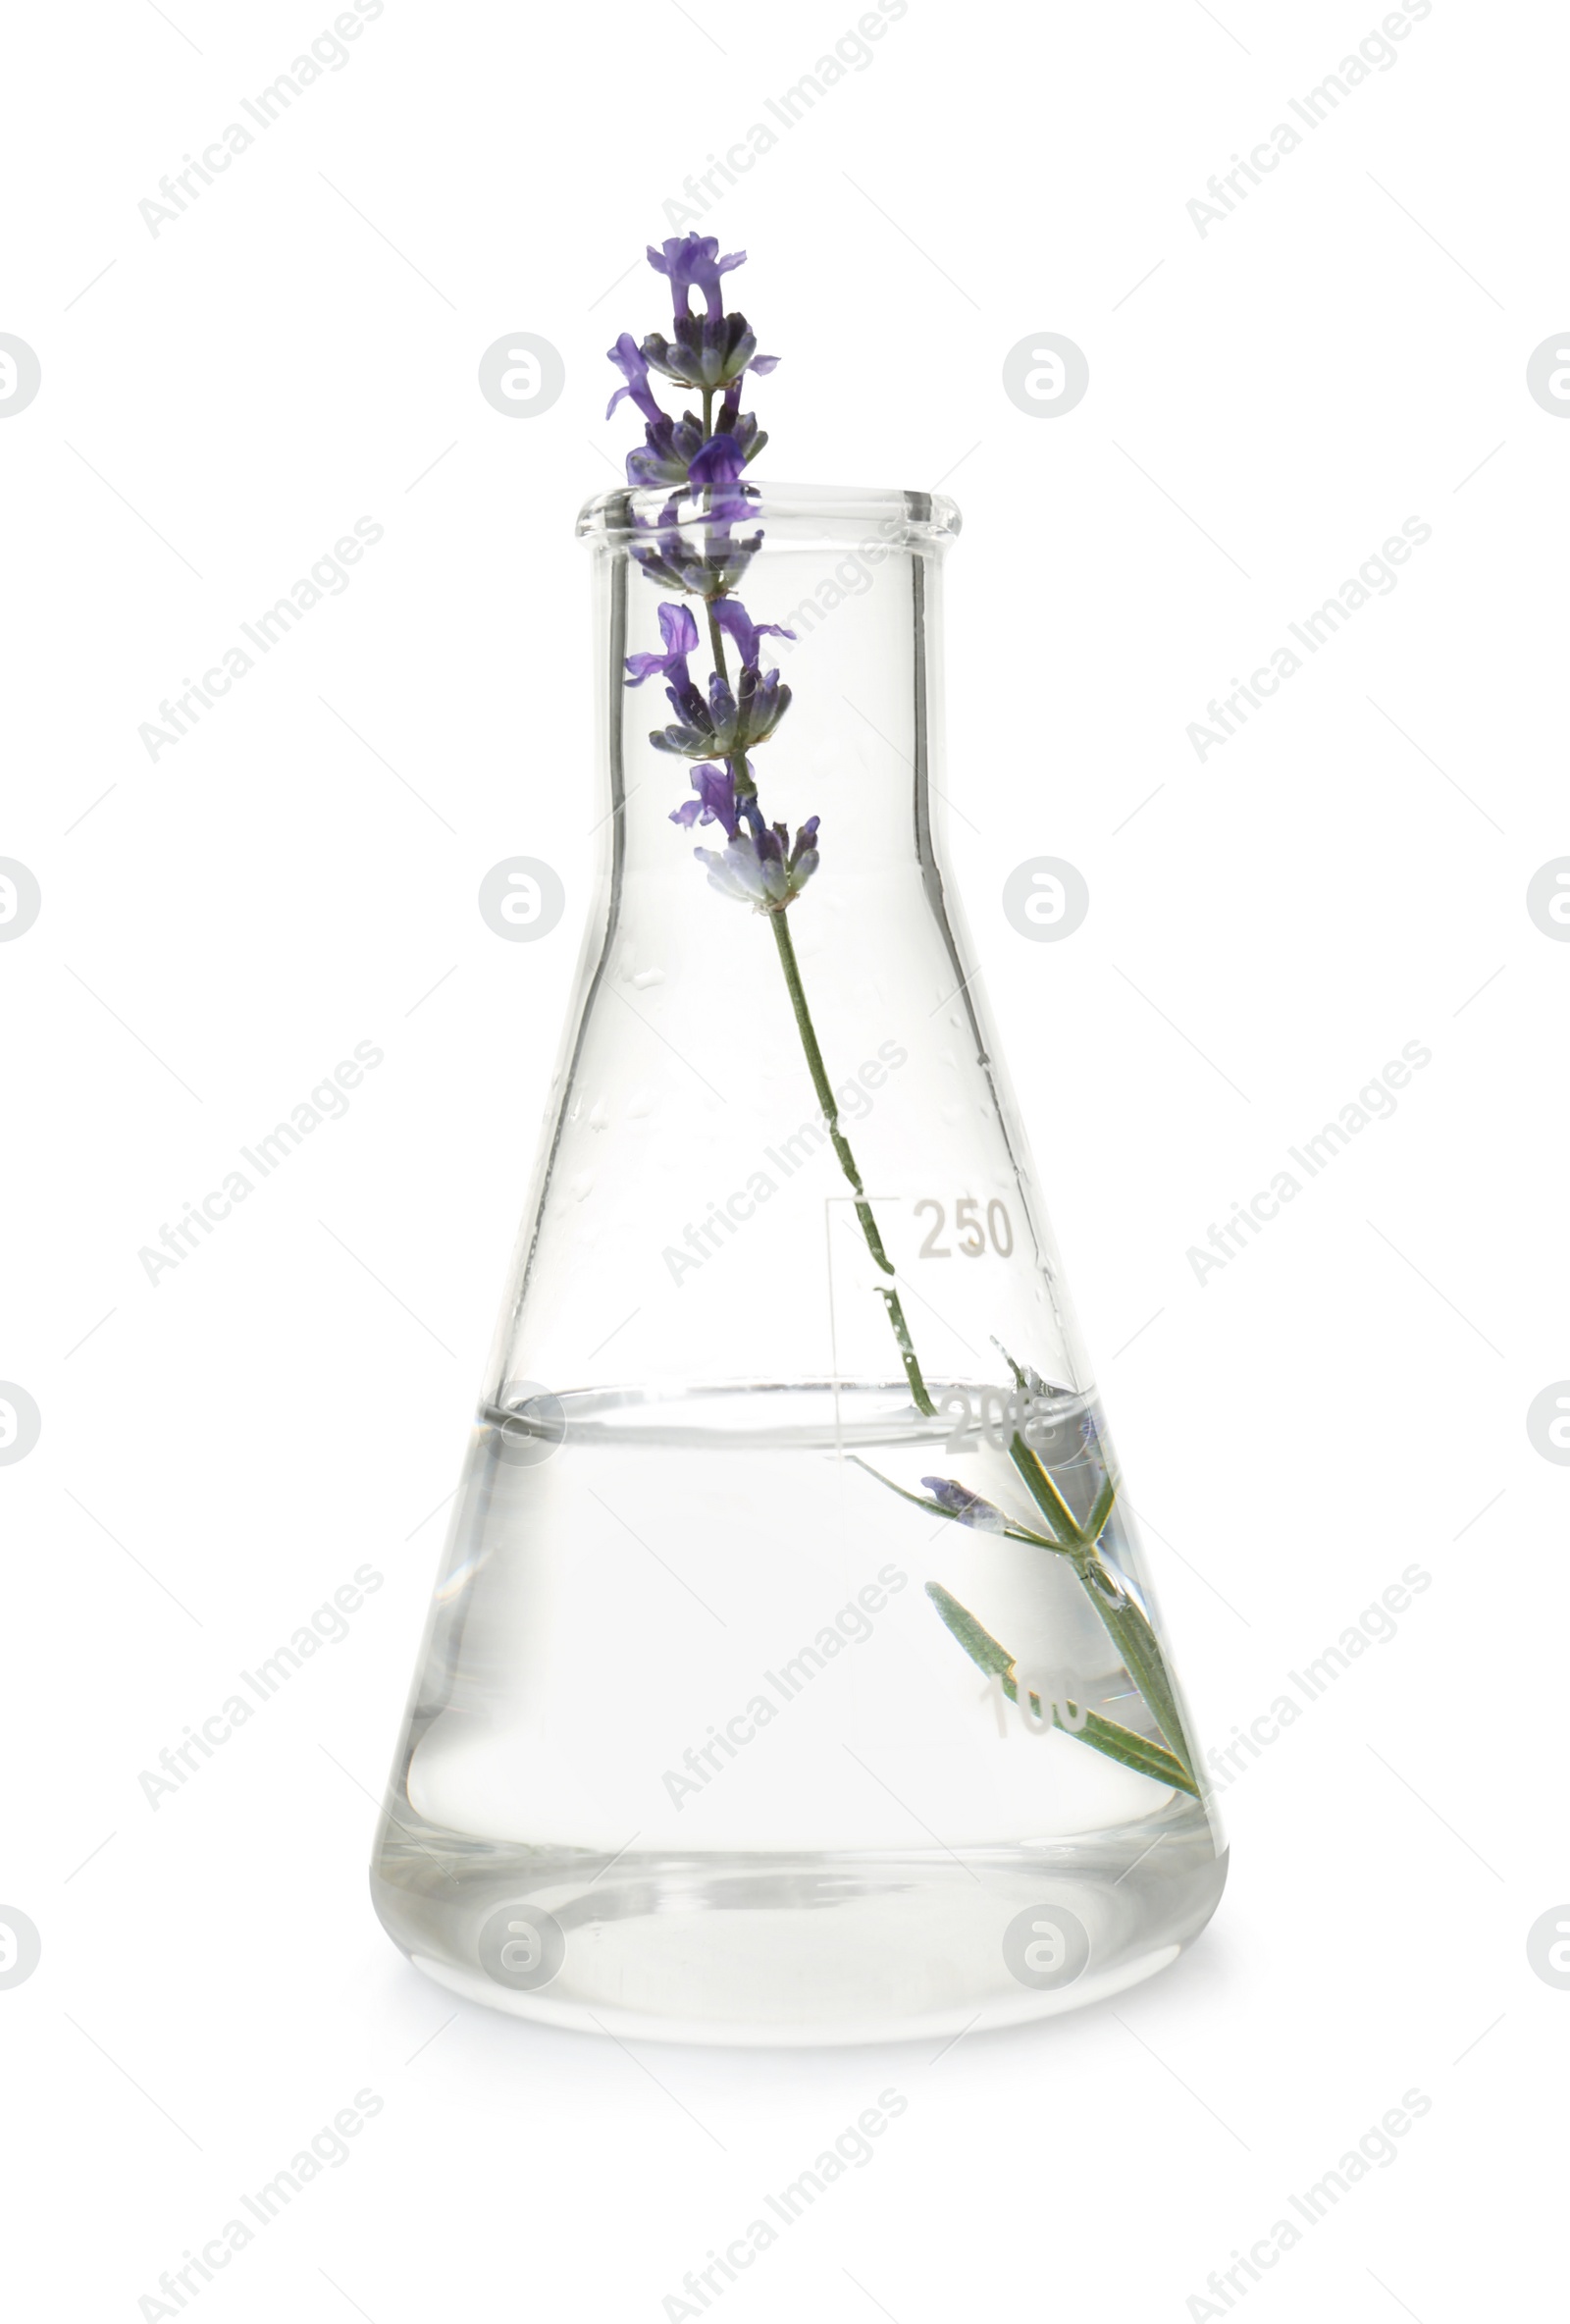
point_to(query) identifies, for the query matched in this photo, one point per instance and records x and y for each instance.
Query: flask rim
(798, 513)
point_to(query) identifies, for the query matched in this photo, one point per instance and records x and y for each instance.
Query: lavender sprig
(701, 457)
(720, 724)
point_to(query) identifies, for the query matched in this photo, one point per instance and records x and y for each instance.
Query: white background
(1268, 402)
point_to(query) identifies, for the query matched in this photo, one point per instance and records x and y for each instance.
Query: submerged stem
(1121, 1619)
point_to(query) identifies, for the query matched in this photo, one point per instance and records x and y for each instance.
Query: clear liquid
(693, 1754)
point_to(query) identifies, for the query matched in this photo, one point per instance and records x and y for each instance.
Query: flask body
(794, 1674)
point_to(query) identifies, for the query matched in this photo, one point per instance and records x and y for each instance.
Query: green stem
(1044, 1492)
(815, 1056)
(717, 642)
(716, 647)
(829, 1107)
(1120, 1616)
(1124, 1623)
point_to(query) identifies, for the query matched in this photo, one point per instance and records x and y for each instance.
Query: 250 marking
(968, 1226)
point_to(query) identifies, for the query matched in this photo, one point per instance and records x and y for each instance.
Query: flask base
(799, 1950)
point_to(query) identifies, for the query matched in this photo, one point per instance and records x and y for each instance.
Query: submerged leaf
(1114, 1742)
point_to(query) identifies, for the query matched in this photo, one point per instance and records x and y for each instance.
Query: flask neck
(829, 731)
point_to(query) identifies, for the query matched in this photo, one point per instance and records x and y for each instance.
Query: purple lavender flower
(728, 725)
(701, 564)
(696, 553)
(967, 1506)
(676, 451)
(693, 263)
(743, 430)
(715, 802)
(762, 699)
(695, 733)
(669, 450)
(635, 373)
(711, 350)
(707, 352)
(719, 461)
(731, 422)
(680, 633)
(719, 468)
(744, 632)
(755, 868)
(665, 554)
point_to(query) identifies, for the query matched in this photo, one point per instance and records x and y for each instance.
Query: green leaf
(1146, 1758)
(979, 1644)
(1125, 1625)
(1138, 1751)
(1120, 1617)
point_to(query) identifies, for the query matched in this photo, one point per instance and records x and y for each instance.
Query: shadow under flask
(793, 1674)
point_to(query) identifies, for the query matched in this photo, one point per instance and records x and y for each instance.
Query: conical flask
(793, 1674)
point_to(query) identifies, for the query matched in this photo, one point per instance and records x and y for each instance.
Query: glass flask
(793, 1674)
